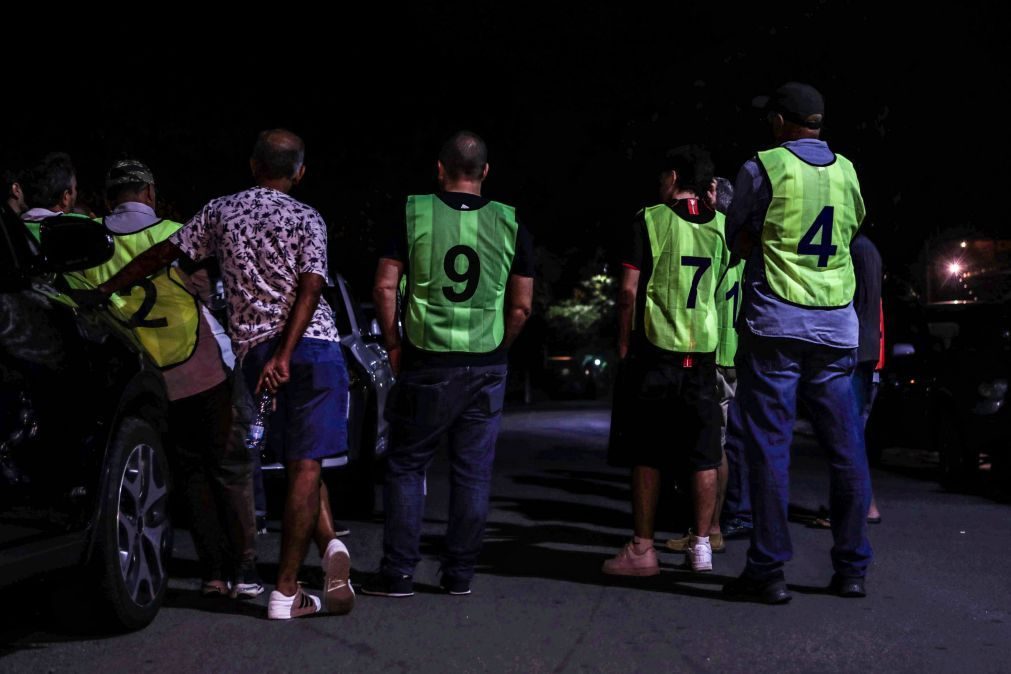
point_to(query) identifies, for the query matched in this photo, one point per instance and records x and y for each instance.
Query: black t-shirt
(867, 298)
(638, 254)
(522, 265)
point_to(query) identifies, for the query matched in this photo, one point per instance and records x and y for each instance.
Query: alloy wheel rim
(143, 525)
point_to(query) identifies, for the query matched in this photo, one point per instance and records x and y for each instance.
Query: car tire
(133, 535)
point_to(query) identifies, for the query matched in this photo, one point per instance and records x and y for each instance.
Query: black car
(370, 379)
(83, 476)
(946, 389)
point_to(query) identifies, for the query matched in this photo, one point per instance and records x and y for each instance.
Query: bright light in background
(955, 268)
(963, 244)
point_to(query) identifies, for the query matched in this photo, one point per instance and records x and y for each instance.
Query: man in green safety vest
(213, 473)
(469, 269)
(796, 208)
(728, 303)
(668, 330)
(50, 190)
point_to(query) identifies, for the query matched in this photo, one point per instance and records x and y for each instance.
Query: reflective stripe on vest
(162, 313)
(814, 213)
(680, 312)
(728, 307)
(459, 262)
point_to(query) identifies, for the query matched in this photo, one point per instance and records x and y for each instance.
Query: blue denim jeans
(465, 405)
(737, 500)
(771, 374)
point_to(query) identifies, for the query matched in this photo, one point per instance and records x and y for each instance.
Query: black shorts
(667, 415)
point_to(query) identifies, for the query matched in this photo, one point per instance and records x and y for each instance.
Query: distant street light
(955, 268)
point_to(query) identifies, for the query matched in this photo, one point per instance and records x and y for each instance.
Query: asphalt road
(940, 588)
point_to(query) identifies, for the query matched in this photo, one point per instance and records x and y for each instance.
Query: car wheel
(133, 537)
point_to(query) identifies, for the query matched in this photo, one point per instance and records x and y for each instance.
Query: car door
(59, 373)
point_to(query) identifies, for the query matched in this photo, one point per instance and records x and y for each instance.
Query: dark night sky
(574, 105)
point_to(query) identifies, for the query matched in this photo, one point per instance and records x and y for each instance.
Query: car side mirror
(901, 349)
(73, 243)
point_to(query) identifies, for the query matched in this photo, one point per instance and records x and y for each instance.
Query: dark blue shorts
(311, 417)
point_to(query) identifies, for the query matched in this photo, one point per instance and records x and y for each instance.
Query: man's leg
(472, 439)
(736, 512)
(726, 381)
(704, 494)
(828, 392)
(645, 495)
(767, 393)
(232, 471)
(421, 409)
(301, 510)
(189, 456)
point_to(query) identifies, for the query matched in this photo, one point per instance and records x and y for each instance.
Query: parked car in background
(582, 373)
(83, 477)
(946, 389)
(370, 380)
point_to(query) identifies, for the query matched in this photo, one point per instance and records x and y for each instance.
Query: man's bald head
(278, 154)
(464, 156)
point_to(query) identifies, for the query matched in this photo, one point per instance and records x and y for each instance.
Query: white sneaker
(340, 596)
(700, 554)
(301, 604)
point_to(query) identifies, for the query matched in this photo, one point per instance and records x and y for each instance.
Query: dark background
(575, 103)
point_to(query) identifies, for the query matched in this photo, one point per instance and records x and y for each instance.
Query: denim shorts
(310, 421)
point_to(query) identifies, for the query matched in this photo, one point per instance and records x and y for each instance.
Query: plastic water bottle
(258, 428)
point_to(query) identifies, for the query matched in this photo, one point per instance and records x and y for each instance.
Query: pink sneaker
(628, 562)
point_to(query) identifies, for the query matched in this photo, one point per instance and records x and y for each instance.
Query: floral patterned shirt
(263, 239)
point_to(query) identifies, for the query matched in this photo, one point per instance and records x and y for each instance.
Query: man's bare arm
(518, 304)
(626, 308)
(276, 371)
(384, 294)
(151, 260)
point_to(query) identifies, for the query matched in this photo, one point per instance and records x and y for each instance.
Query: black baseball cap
(797, 102)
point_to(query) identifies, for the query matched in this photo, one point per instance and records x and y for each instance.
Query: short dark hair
(724, 194)
(278, 153)
(693, 165)
(464, 155)
(45, 181)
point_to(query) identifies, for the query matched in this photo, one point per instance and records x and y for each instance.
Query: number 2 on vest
(825, 249)
(471, 275)
(703, 263)
(139, 318)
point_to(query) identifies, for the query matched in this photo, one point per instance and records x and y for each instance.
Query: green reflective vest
(458, 264)
(162, 313)
(728, 306)
(688, 259)
(814, 213)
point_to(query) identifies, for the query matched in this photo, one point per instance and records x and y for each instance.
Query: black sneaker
(455, 586)
(772, 591)
(381, 585)
(735, 527)
(846, 586)
(261, 524)
(247, 584)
